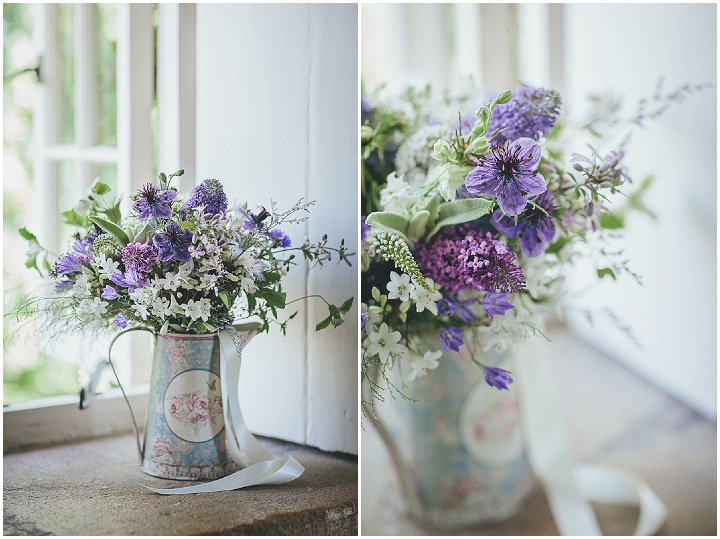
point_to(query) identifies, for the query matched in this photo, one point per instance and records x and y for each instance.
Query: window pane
(106, 70)
(107, 172)
(66, 112)
(69, 192)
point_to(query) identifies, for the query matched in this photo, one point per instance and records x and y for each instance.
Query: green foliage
(336, 315)
(37, 257)
(461, 211)
(111, 228)
(389, 222)
(606, 272)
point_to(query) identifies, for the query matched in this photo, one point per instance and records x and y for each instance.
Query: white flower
(421, 365)
(383, 343)
(81, 288)
(92, 308)
(424, 299)
(141, 310)
(163, 308)
(248, 285)
(198, 309)
(400, 286)
(208, 281)
(173, 281)
(106, 265)
(250, 264)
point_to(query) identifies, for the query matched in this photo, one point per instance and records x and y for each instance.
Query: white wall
(277, 118)
(625, 48)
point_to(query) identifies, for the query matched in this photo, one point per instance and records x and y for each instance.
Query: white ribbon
(261, 466)
(570, 487)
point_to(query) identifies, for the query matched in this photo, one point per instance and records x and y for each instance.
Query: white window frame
(57, 419)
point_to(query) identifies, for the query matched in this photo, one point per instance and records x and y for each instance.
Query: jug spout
(247, 330)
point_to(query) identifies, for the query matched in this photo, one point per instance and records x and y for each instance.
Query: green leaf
(557, 246)
(606, 272)
(612, 220)
(418, 224)
(322, 325)
(188, 225)
(503, 97)
(449, 177)
(389, 222)
(461, 211)
(111, 228)
(225, 297)
(273, 298)
(100, 188)
(345, 307)
(252, 302)
(26, 234)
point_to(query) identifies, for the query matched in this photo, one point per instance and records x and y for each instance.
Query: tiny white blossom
(424, 299)
(141, 310)
(421, 365)
(400, 286)
(81, 288)
(106, 265)
(383, 342)
(91, 308)
(198, 309)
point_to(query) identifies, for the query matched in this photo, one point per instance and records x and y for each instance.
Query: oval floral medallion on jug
(193, 405)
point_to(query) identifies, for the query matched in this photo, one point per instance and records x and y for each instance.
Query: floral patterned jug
(184, 436)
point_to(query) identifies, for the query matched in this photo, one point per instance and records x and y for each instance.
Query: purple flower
(131, 280)
(154, 203)
(363, 320)
(109, 293)
(461, 309)
(451, 338)
(365, 110)
(62, 286)
(139, 257)
(509, 174)
(121, 321)
(364, 229)
(282, 238)
(496, 303)
(535, 228)
(84, 248)
(69, 264)
(460, 258)
(497, 378)
(174, 243)
(530, 113)
(208, 194)
(249, 223)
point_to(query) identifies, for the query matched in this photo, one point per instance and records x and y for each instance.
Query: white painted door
(277, 98)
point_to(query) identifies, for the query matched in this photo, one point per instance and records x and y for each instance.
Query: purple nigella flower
(154, 203)
(131, 280)
(496, 303)
(535, 228)
(530, 113)
(208, 194)
(509, 174)
(174, 243)
(120, 321)
(109, 293)
(69, 264)
(451, 338)
(283, 238)
(498, 378)
(139, 257)
(460, 258)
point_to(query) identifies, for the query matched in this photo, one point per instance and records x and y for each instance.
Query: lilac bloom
(84, 248)
(109, 293)
(121, 321)
(282, 238)
(497, 378)
(451, 338)
(210, 195)
(174, 243)
(496, 303)
(154, 203)
(131, 280)
(535, 228)
(509, 174)
(139, 257)
(68, 264)
(250, 223)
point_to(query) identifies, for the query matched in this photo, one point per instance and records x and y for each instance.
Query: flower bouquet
(470, 222)
(188, 268)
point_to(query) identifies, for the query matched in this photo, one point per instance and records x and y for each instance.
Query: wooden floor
(614, 417)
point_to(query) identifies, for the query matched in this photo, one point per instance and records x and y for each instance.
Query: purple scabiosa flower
(131, 280)
(121, 321)
(363, 320)
(210, 195)
(460, 258)
(497, 378)
(154, 203)
(531, 112)
(282, 238)
(535, 228)
(509, 174)
(69, 264)
(139, 257)
(62, 286)
(174, 243)
(496, 303)
(109, 293)
(451, 338)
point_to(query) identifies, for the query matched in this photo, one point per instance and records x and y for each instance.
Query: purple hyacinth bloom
(109, 293)
(535, 228)
(282, 238)
(451, 338)
(497, 378)
(120, 321)
(363, 320)
(531, 112)
(509, 174)
(139, 257)
(69, 264)
(131, 280)
(154, 203)
(210, 195)
(496, 303)
(174, 243)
